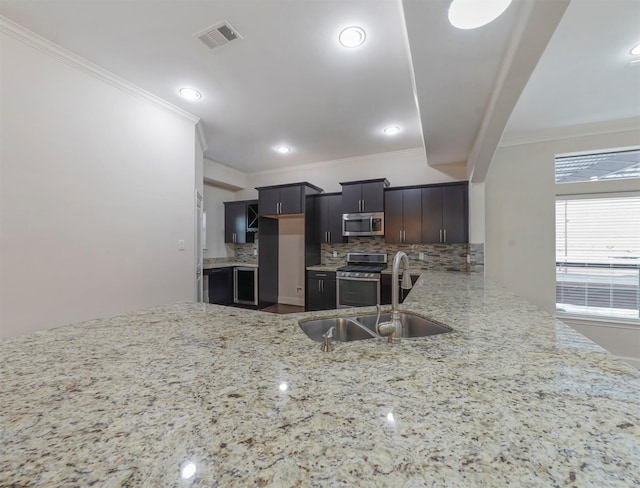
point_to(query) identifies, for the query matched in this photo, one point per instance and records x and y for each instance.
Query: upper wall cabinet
(403, 216)
(445, 214)
(363, 196)
(329, 218)
(284, 199)
(240, 221)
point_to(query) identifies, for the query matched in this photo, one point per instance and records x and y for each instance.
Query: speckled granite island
(203, 395)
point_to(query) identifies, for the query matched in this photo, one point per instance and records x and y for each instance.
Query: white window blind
(598, 256)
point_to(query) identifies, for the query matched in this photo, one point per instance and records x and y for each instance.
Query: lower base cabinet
(321, 291)
(220, 285)
(385, 288)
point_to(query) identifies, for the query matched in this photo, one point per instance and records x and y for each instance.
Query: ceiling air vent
(217, 35)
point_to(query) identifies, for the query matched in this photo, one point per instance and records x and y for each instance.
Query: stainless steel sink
(347, 329)
(412, 325)
(363, 327)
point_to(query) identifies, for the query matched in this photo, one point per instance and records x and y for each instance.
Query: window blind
(598, 256)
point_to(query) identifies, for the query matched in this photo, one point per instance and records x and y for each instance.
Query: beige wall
(291, 261)
(520, 195)
(213, 203)
(96, 190)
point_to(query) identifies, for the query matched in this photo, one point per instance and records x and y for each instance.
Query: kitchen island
(205, 395)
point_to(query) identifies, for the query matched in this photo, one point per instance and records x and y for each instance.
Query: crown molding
(593, 129)
(45, 46)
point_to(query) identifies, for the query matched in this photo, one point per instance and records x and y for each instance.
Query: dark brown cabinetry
(240, 221)
(282, 199)
(445, 214)
(276, 203)
(385, 288)
(321, 291)
(363, 196)
(329, 218)
(403, 216)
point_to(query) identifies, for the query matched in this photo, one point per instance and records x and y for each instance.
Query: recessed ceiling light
(283, 149)
(391, 131)
(469, 14)
(190, 94)
(352, 36)
(636, 50)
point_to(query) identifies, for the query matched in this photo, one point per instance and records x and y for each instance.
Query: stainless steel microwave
(363, 224)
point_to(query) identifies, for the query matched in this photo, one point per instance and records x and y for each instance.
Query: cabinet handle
(404, 236)
(440, 235)
(322, 281)
(318, 275)
(326, 237)
(319, 289)
(329, 237)
(400, 236)
(445, 235)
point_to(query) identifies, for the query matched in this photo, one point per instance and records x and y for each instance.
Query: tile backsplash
(451, 257)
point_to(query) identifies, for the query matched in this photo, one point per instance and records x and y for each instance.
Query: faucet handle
(327, 344)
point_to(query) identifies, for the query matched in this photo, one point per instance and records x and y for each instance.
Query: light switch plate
(335, 254)
(421, 256)
(181, 245)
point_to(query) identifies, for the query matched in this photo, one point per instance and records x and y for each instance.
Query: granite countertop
(228, 264)
(205, 395)
(324, 267)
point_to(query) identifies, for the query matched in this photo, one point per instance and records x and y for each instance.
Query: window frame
(595, 190)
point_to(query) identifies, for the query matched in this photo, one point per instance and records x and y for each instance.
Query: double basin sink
(364, 327)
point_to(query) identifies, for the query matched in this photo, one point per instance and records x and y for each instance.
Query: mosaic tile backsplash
(452, 257)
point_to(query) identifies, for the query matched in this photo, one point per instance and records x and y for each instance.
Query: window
(598, 234)
(606, 166)
(598, 255)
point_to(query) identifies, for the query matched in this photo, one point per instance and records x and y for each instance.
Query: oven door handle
(340, 278)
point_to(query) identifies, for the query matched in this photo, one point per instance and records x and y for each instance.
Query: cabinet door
(235, 223)
(314, 294)
(431, 215)
(334, 218)
(393, 226)
(291, 200)
(329, 297)
(351, 196)
(268, 200)
(322, 219)
(454, 214)
(373, 196)
(411, 215)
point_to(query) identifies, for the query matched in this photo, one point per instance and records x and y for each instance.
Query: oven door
(358, 292)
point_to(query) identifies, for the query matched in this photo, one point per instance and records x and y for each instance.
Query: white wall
(96, 189)
(476, 212)
(400, 168)
(213, 204)
(223, 176)
(291, 261)
(520, 195)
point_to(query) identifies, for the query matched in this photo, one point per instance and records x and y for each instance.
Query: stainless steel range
(358, 283)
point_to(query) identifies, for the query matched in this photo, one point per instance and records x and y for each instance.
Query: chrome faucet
(393, 328)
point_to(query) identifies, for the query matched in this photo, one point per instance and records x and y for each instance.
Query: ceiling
(289, 82)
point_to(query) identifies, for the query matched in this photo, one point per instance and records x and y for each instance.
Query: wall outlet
(255, 252)
(421, 256)
(181, 245)
(335, 254)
